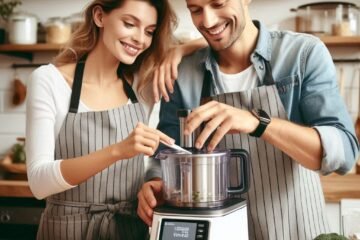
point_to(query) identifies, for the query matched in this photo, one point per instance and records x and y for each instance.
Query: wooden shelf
(341, 41)
(41, 47)
(26, 51)
(14, 189)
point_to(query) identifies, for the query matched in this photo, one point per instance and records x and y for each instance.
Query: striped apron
(285, 200)
(104, 206)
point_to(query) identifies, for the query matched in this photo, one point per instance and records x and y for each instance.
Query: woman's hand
(167, 72)
(142, 140)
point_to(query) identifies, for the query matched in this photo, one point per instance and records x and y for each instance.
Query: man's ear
(98, 14)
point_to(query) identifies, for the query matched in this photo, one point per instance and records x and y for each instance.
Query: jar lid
(22, 15)
(327, 5)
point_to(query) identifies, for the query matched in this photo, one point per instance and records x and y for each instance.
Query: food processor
(199, 202)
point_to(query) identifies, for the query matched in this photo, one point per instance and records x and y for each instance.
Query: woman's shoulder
(50, 74)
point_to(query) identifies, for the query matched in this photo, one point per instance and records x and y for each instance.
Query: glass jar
(328, 18)
(75, 20)
(22, 28)
(58, 30)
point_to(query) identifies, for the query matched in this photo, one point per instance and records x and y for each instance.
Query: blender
(199, 202)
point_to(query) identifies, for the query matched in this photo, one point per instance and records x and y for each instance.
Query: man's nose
(209, 18)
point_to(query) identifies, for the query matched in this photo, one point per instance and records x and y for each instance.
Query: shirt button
(261, 67)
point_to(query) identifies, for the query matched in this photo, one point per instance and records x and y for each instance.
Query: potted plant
(6, 9)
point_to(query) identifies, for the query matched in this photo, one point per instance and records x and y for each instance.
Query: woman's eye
(128, 24)
(150, 33)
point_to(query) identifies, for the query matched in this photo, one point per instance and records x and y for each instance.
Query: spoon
(176, 147)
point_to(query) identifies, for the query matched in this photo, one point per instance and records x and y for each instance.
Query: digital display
(177, 230)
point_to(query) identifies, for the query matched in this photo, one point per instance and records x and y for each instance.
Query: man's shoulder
(293, 39)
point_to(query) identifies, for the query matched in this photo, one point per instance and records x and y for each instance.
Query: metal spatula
(176, 147)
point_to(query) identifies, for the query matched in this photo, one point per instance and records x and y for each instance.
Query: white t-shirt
(48, 100)
(241, 81)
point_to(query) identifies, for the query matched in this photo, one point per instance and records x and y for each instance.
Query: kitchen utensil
(19, 92)
(176, 147)
(201, 179)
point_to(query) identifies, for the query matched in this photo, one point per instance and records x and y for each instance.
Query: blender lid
(194, 152)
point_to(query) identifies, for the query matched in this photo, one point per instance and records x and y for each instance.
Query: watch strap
(264, 121)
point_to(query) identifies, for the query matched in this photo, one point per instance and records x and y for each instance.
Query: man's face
(221, 22)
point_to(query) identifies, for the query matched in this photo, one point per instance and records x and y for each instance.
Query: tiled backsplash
(12, 118)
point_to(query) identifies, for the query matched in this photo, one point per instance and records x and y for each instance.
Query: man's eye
(218, 4)
(195, 10)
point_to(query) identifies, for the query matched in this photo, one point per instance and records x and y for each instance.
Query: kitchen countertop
(14, 188)
(335, 187)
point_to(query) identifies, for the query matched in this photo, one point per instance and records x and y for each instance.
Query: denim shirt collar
(263, 50)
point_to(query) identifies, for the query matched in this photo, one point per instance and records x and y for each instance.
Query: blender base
(227, 222)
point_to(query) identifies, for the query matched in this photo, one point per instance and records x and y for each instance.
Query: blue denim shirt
(305, 77)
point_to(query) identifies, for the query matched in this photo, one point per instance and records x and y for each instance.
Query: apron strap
(127, 87)
(76, 88)
(206, 88)
(268, 80)
(77, 83)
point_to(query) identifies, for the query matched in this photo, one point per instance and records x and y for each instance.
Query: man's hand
(149, 197)
(220, 119)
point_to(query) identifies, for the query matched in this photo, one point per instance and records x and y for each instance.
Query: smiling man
(274, 94)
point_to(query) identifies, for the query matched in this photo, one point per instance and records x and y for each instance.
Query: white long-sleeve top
(48, 100)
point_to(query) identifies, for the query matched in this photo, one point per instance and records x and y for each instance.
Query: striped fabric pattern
(285, 200)
(104, 206)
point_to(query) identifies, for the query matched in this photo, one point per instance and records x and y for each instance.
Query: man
(274, 95)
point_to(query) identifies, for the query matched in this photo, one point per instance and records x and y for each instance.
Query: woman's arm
(47, 175)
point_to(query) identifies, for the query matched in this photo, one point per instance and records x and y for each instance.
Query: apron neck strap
(76, 87)
(127, 87)
(268, 80)
(77, 83)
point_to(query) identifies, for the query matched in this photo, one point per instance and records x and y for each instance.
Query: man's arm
(324, 141)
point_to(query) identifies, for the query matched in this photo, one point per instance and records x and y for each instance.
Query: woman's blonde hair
(85, 38)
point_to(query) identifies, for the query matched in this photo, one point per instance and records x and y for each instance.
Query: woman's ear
(98, 14)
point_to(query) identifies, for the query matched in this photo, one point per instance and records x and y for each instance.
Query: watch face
(263, 116)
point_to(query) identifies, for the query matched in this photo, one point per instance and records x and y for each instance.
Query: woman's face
(128, 31)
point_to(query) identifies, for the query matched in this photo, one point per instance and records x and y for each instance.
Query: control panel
(177, 229)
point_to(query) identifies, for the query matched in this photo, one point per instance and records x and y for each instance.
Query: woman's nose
(139, 36)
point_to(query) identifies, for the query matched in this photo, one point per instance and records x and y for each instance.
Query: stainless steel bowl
(201, 179)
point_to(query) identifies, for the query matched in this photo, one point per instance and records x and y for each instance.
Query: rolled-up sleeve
(323, 108)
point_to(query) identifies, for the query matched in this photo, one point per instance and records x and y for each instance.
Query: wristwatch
(264, 122)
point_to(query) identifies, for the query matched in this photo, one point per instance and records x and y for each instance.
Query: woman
(86, 132)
